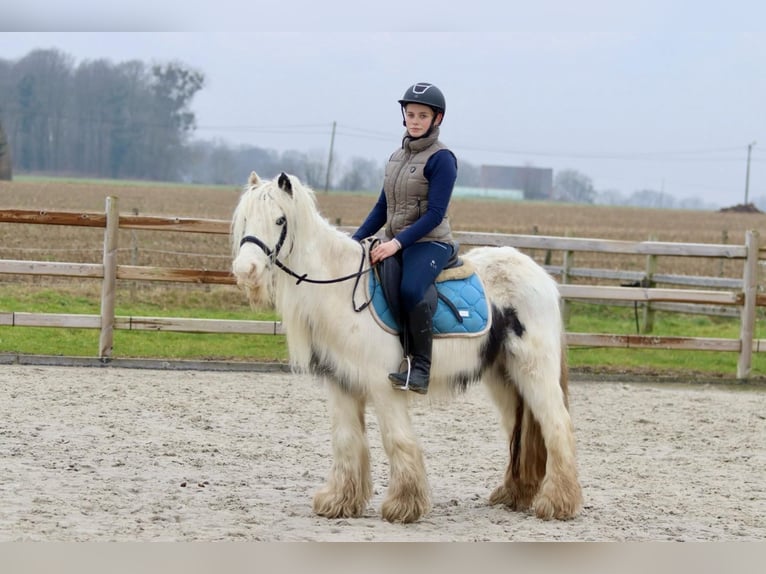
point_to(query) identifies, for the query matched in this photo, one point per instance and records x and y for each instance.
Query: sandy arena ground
(113, 454)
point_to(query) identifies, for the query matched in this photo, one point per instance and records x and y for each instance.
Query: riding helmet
(427, 94)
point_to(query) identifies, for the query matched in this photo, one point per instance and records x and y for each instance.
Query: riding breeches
(421, 264)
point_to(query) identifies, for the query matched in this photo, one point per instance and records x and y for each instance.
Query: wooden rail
(736, 294)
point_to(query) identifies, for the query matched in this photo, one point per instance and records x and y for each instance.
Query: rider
(413, 207)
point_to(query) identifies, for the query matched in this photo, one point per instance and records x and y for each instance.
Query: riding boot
(420, 330)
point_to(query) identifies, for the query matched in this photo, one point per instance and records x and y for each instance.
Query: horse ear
(285, 184)
(254, 179)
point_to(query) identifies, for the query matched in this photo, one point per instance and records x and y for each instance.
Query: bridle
(273, 255)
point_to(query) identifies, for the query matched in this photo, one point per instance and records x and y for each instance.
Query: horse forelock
(263, 202)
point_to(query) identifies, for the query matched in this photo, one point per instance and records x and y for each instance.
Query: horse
(287, 257)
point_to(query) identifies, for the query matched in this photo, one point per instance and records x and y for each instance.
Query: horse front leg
(408, 496)
(349, 485)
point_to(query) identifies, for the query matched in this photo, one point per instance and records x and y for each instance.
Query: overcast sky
(650, 94)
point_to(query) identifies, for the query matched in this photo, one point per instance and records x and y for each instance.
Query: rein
(273, 258)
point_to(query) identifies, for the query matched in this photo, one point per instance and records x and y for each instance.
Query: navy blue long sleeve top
(441, 172)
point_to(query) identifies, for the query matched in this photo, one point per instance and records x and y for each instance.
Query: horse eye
(281, 220)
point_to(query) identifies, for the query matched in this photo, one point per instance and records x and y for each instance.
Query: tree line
(131, 120)
(126, 120)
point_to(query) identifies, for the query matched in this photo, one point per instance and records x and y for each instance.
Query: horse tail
(528, 452)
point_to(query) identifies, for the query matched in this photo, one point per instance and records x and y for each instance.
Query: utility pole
(747, 175)
(329, 159)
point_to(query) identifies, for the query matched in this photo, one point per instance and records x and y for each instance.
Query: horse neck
(313, 312)
(320, 252)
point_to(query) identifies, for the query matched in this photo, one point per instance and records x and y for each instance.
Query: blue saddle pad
(466, 294)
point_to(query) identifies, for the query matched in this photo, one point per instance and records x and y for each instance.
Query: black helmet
(427, 94)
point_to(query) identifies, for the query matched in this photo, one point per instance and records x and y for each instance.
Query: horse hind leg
(349, 486)
(527, 454)
(542, 387)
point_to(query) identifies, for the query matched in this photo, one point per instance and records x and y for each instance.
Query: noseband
(272, 255)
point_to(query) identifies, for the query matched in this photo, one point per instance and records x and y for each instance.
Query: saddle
(458, 295)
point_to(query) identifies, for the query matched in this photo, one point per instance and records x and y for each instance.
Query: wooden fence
(690, 293)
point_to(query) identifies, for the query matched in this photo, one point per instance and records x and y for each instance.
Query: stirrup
(395, 382)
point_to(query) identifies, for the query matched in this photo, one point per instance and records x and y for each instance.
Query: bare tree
(6, 172)
(610, 197)
(40, 84)
(362, 175)
(174, 87)
(571, 185)
(651, 198)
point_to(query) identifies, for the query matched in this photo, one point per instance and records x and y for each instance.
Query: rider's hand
(384, 250)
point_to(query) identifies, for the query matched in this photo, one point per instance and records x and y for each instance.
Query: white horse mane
(312, 246)
(258, 193)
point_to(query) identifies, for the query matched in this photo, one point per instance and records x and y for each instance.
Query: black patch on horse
(505, 322)
(321, 368)
(514, 322)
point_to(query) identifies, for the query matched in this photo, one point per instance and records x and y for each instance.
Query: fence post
(565, 269)
(725, 241)
(133, 256)
(651, 269)
(750, 287)
(535, 231)
(106, 338)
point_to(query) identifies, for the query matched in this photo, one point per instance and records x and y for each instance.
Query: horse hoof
(397, 511)
(560, 508)
(328, 505)
(514, 497)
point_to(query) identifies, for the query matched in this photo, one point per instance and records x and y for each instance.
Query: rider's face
(418, 118)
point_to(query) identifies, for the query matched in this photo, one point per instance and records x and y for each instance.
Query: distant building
(485, 192)
(534, 182)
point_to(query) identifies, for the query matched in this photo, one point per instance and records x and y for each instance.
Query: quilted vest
(406, 187)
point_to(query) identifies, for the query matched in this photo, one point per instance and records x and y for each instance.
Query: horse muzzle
(250, 277)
